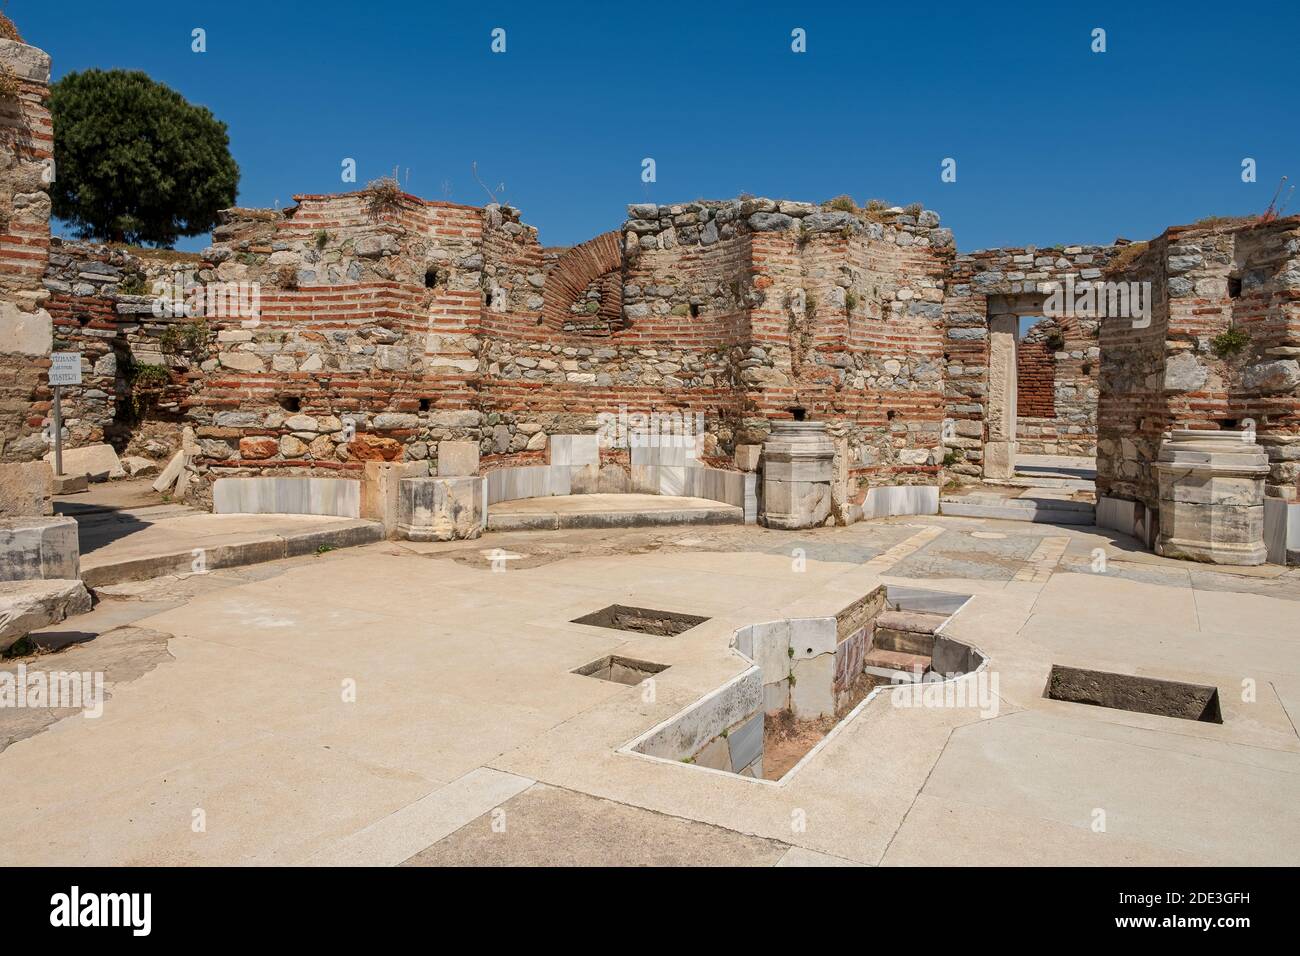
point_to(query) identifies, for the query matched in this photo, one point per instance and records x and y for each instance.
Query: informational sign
(65, 368)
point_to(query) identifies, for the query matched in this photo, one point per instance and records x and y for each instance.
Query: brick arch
(575, 270)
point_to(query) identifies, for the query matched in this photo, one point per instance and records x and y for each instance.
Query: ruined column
(798, 467)
(1000, 443)
(1212, 497)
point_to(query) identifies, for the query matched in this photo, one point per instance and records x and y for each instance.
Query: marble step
(1043, 510)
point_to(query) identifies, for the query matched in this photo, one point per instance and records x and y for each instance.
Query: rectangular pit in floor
(1142, 695)
(641, 620)
(620, 670)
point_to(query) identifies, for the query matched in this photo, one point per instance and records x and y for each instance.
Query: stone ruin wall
(1207, 278)
(421, 321)
(26, 152)
(849, 330)
(1057, 364)
(993, 285)
(656, 332)
(100, 305)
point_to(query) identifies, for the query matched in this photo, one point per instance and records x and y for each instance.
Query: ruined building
(373, 325)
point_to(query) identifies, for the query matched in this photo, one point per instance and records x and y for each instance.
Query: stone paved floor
(403, 702)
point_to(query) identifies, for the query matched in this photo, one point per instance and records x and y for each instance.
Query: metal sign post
(58, 433)
(65, 369)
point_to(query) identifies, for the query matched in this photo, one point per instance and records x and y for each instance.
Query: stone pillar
(441, 509)
(1000, 405)
(798, 467)
(1212, 497)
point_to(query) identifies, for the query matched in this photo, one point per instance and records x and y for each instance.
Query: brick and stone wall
(373, 325)
(26, 151)
(1222, 352)
(991, 289)
(136, 370)
(1057, 362)
(387, 323)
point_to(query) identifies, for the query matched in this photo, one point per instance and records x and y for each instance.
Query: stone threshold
(257, 549)
(502, 518)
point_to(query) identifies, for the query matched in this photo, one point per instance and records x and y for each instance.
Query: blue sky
(1053, 143)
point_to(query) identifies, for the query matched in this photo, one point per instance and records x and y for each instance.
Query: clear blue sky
(1054, 143)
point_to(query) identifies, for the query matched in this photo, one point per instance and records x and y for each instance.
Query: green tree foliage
(134, 162)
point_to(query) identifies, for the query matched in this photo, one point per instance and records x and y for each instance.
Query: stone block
(25, 489)
(442, 509)
(25, 333)
(812, 636)
(686, 734)
(792, 505)
(813, 691)
(999, 459)
(26, 606)
(776, 697)
(572, 450)
(69, 484)
(670, 450)
(171, 471)
(528, 481)
(39, 548)
(645, 479)
(715, 755)
(137, 466)
(584, 480)
(798, 468)
(1282, 531)
(746, 743)
(380, 489)
(1211, 498)
(889, 500)
(748, 456)
(96, 462)
(672, 480)
(339, 497)
(457, 459)
(743, 640)
(771, 642)
(803, 470)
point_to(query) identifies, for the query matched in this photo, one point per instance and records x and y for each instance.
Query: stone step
(502, 519)
(911, 632)
(1023, 480)
(1042, 510)
(109, 565)
(922, 622)
(897, 666)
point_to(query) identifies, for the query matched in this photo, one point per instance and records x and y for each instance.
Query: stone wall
(372, 325)
(26, 151)
(136, 370)
(993, 288)
(1057, 363)
(1222, 352)
(386, 323)
(849, 331)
